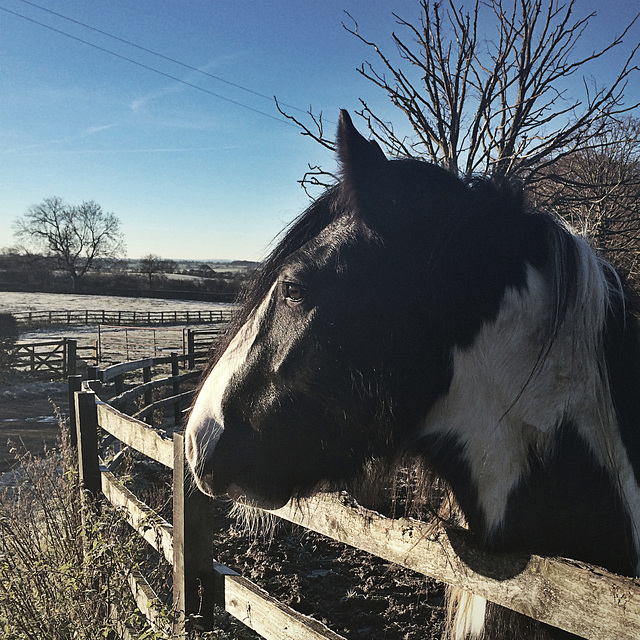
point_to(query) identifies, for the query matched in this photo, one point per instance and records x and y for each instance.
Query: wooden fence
(573, 596)
(120, 318)
(53, 357)
(198, 581)
(117, 343)
(60, 357)
(198, 342)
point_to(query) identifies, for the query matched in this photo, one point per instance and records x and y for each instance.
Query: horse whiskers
(256, 522)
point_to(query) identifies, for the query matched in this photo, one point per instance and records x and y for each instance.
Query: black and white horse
(406, 310)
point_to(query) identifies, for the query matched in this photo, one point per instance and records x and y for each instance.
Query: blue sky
(190, 175)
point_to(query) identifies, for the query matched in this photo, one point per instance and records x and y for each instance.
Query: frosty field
(11, 301)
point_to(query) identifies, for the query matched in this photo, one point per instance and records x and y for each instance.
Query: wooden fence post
(74, 384)
(87, 438)
(70, 356)
(175, 372)
(119, 383)
(148, 395)
(191, 348)
(193, 574)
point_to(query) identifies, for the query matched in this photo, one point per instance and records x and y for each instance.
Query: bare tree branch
(509, 103)
(500, 106)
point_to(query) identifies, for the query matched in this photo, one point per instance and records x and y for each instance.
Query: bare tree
(489, 105)
(76, 236)
(169, 266)
(598, 190)
(151, 265)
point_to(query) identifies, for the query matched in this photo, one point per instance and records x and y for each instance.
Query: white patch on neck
(507, 397)
(206, 422)
(486, 408)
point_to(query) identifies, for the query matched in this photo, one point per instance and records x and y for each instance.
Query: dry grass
(63, 563)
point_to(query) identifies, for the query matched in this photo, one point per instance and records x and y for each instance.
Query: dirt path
(27, 416)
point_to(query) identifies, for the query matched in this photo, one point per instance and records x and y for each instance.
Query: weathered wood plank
(573, 596)
(136, 434)
(153, 528)
(108, 373)
(136, 392)
(149, 604)
(165, 381)
(256, 609)
(32, 345)
(165, 402)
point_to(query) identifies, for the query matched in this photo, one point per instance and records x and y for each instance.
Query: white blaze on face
(206, 422)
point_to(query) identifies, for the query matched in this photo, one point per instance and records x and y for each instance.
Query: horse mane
(570, 265)
(489, 198)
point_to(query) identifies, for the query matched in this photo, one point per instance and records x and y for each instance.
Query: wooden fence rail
(105, 316)
(60, 357)
(198, 581)
(579, 598)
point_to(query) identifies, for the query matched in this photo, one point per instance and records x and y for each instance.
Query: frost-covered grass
(11, 301)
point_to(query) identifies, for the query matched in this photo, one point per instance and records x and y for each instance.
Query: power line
(149, 68)
(159, 55)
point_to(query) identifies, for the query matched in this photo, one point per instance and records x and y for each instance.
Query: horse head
(344, 342)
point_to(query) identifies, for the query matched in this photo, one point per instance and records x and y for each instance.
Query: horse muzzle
(227, 462)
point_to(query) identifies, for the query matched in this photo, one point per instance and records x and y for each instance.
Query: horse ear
(354, 150)
(361, 161)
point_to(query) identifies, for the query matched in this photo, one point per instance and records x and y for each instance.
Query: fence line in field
(120, 318)
(573, 596)
(61, 356)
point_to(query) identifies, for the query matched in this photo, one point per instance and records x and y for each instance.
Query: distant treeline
(35, 273)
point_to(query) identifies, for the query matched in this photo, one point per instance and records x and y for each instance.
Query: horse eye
(293, 291)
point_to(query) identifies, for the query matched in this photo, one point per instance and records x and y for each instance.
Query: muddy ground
(353, 593)
(27, 415)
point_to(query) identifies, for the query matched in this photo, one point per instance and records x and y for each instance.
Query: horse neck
(516, 391)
